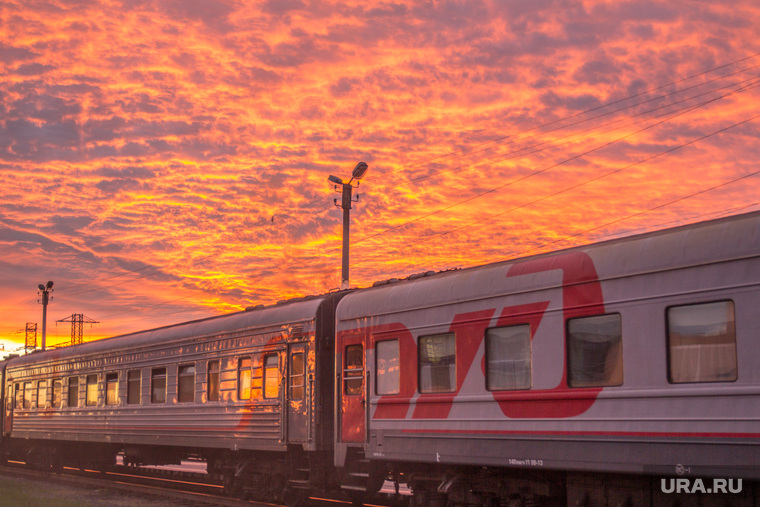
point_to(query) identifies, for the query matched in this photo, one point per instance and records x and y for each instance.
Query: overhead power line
(647, 159)
(596, 108)
(500, 139)
(536, 148)
(565, 161)
(688, 219)
(751, 84)
(648, 210)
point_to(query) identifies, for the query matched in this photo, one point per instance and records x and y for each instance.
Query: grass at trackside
(47, 492)
(20, 493)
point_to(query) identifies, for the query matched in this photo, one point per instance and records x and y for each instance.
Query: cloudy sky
(163, 161)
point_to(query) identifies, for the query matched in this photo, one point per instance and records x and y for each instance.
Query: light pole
(45, 296)
(357, 174)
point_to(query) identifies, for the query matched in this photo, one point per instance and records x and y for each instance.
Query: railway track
(170, 483)
(175, 488)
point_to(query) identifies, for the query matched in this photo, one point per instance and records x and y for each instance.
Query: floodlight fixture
(335, 179)
(359, 171)
(41, 287)
(49, 284)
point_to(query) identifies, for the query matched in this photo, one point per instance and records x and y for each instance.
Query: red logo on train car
(581, 296)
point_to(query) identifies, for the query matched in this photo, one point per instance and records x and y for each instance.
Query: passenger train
(586, 376)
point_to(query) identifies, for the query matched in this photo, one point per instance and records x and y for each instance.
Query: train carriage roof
(694, 244)
(284, 316)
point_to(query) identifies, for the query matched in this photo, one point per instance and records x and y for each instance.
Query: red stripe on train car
(586, 433)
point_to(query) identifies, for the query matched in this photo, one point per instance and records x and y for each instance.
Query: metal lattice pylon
(77, 323)
(31, 336)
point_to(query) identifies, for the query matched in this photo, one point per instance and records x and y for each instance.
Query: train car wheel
(233, 486)
(294, 497)
(356, 498)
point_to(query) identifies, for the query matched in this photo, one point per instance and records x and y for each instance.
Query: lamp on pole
(347, 188)
(44, 297)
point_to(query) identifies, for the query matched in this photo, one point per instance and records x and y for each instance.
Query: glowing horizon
(164, 161)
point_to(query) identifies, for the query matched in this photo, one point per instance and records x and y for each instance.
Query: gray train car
(237, 390)
(636, 358)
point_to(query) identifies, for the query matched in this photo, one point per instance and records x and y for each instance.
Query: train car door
(298, 392)
(8, 409)
(353, 393)
(10, 400)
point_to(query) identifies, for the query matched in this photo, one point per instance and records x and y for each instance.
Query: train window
(27, 395)
(158, 385)
(73, 392)
(212, 381)
(92, 391)
(508, 358)
(41, 394)
(57, 393)
(271, 376)
(133, 387)
(18, 398)
(437, 368)
(387, 373)
(297, 376)
(257, 378)
(353, 373)
(112, 389)
(186, 383)
(244, 378)
(702, 343)
(595, 351)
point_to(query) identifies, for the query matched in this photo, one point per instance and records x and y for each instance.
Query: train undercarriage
(291, 477)
(435, 486)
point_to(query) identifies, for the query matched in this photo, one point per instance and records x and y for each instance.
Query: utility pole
(357, 174)
(45, 291)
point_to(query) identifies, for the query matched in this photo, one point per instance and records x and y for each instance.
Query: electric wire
(608, 113)
(98, 289)
(595, 128)
(471, 149)
(751, 85)
(110, 278)
(575, 186)
(639, 213)
(596, 108)
(554, 145)
(685, 220)
(143, 308)
(474, 149)
(616, 121)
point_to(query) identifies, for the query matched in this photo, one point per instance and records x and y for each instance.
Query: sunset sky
(163, 161)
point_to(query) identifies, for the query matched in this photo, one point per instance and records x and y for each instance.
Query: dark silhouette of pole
(347, 188)
(45, 297)
(346, 200)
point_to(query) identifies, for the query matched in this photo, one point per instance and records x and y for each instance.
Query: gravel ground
(23, 492)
